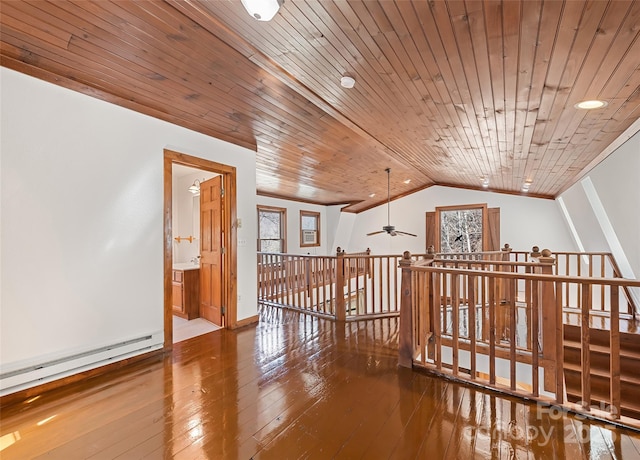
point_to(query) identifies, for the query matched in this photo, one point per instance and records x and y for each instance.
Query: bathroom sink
(186, 266)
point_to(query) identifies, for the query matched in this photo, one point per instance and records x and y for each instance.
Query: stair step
(628, 341)
(628, 366)
(599, 388)
(604, 349)
(599, 377)
(574, 395)
(626, 409)
(573, 367)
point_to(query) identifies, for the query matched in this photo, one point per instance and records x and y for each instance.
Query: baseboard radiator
(26, 374)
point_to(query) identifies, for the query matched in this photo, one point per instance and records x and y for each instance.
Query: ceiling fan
(390, 229)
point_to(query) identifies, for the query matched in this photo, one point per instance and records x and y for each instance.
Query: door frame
(230, 259)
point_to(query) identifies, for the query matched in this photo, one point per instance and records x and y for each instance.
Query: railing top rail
(575, 253)
(345, 255)
(423, 263)
(489, 262)
(529, 276)
(283, 255)
(479, 253)
(364, 254)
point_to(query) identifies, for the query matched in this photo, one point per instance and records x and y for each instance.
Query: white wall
(343, 230)
(81, 233)
(293, 225)
(334, 220)
(605, 206)
(524, 221)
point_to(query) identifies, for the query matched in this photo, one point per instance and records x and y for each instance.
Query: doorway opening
(222, 251)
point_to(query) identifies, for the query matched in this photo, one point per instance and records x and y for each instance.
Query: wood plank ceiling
(447, 92)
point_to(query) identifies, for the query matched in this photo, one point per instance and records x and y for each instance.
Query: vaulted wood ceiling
(447, 92)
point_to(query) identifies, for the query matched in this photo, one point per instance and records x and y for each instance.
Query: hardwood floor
(294, 387)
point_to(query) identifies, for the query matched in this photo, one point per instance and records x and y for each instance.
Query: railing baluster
(381, 281)
(319, 280)
(559, 350)
(602, 275)
(388, 272)
(365, 281)
(471, 303)
(614, 364)
(423, 316)
(585, 351)
(529, 313)
(340, 307)
(492, 330)
(455, 319)
(333, 268)
(512, 333)
(535, 338)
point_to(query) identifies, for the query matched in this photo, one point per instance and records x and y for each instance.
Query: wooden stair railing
(594, 264)
(633, 305)
(448, 308)
(343, 287)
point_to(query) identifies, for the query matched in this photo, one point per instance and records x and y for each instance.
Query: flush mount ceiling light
(590, 105)
(347, 82)
(262, 10)
(371, 195)
(526, 185)
(195, 187)
(485, 182)
(406, 181)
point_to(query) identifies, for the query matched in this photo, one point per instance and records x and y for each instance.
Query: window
(467, 228)
(461, 230)
(309, 228)
(272, 229)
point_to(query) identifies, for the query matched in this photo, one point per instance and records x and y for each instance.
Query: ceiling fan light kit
(389, 229)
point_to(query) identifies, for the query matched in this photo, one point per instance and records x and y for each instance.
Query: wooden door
(211, 250)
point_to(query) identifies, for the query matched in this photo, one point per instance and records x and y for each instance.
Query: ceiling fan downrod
(389, 229)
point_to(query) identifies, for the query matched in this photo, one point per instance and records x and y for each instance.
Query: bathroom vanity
(186, 290)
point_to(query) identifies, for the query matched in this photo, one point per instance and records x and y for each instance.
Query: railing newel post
(406, 345)
(506, 252)
(548, 301)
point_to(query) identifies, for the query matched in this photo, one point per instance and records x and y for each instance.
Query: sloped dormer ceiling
(447, 92)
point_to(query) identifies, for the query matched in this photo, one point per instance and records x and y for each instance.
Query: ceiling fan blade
(404, 233)
(375, 233)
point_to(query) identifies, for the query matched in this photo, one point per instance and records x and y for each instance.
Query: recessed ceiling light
(590, 105)
(347, 82)
(406, 181)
